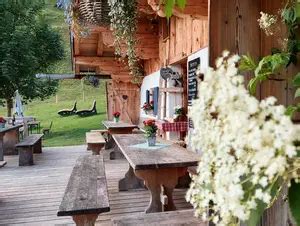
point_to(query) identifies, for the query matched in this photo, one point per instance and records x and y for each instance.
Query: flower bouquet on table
(116, 116)
(148, 107)
(2, 122)
(249, 150)
(150, 131)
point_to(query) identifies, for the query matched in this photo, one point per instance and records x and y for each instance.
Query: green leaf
(252, 85)
(297, 93)
(247, 63)
(181, 3)
(169, 7)
(290, 110)
(296, 80)
(294, 201)
(256, 214)
(298, 10)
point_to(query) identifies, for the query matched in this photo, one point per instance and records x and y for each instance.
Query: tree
(28, 46)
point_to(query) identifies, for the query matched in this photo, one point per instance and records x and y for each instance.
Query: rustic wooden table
(159, 168)
(9, 137)
(117, 128)
(95, 142)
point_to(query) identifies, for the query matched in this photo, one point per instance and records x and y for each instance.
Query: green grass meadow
(68, 130)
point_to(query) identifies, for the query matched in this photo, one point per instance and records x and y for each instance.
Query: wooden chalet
(196, 35)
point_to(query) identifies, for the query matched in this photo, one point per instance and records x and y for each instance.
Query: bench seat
(86, 195)
(174, 218)
(26, 148)
(95, 142)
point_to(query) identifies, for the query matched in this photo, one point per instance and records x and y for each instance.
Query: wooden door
(125, 98)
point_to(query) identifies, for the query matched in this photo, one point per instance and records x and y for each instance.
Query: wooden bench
(86, 194)
(180, 217)
(26, 148)
(95, 142)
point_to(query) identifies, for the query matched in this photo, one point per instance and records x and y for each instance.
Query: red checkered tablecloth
(172, 126)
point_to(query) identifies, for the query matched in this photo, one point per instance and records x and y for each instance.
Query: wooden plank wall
(233, 26)
(125, 98)
(187, 35)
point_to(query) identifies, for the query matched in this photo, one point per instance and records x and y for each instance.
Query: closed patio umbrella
(18, 107)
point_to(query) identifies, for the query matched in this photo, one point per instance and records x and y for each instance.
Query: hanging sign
(192, 80)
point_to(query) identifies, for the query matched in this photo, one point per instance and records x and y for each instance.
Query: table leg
(10, 139)
(156, 179)
(96, 148)
(130, 181)
(1, 148)
(116, 153)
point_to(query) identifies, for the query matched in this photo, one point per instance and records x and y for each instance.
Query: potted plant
(2, 122)
(116, 116)
(148, 107)
(150, 129)
(179, 114)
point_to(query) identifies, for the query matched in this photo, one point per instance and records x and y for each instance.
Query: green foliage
(294, 201)
(256, 214)
(290, 110)
(28, 46)
(170, 4)
(56, 19)
(150, 131)
(291, 15)
(268, 66)
(123, 15)
(247, 63)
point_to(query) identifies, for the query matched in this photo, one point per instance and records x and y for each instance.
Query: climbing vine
(124, 17)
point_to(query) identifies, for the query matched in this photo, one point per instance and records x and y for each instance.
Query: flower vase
(151, 141)
(116, 119)
(2, 125)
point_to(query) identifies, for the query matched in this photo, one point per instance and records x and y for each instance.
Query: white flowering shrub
(267, 23)
(247, 148)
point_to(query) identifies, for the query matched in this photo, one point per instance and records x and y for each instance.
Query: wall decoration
(193, 65)
(168, 73)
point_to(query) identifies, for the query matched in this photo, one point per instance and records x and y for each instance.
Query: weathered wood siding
(186, 35)
(233, 26)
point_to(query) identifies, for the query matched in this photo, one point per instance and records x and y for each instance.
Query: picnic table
(95, 142)
(9, 137)
(117, 128)
(159, 166)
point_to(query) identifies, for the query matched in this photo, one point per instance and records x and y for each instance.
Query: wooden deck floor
(31, 195)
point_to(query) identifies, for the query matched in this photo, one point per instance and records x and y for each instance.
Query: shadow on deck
(31, 195)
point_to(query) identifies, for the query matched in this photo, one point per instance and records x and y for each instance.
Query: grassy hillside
(66, 130)
(69, 130)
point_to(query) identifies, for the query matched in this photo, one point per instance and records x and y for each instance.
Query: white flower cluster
(246, 145)
(267, 22)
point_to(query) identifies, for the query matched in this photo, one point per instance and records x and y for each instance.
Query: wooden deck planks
(31, 195)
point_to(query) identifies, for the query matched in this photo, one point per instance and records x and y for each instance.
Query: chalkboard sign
(192, 80)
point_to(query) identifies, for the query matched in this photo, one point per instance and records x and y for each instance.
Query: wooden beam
(107, 65)
(100, 45)
(76, 46)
